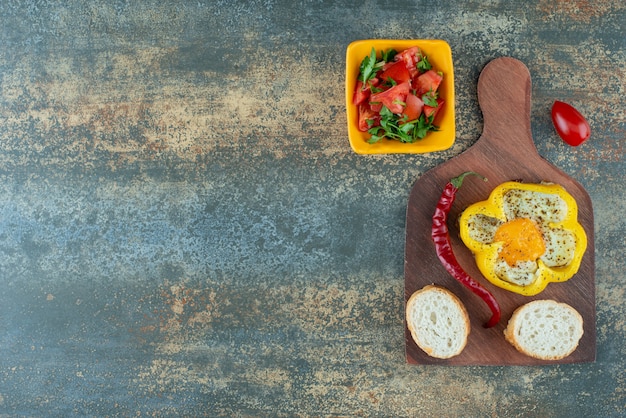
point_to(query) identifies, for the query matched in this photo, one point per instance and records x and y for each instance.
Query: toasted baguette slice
(545, 329)
(438, 321)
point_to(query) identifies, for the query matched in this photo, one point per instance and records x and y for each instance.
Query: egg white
(540, 207)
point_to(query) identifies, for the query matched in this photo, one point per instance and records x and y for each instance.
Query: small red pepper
(443, 246)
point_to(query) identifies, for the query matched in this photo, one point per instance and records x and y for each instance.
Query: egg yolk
(522, 241)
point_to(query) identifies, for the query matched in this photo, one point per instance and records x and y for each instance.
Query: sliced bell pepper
(525, 236)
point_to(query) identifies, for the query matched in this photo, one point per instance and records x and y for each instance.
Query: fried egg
(527, 235)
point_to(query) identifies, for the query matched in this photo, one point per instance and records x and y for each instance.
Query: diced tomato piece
(365, 113)
(414, 106)
(393, 98)
(361, 94)
(397, 72)
(430, 110)
(377, 105)
(410, 56)
(426, 82)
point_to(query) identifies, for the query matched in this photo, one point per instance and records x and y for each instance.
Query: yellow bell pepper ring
(525, 236)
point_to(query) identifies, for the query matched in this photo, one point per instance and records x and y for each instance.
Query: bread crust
(520, 339)
(418, 330)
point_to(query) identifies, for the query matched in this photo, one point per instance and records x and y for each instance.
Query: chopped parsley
(398, 128)
(370, 65)
(423, 65)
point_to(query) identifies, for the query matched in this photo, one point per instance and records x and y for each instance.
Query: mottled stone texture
(184, 229)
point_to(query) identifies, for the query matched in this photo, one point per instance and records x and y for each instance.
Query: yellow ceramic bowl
(440, 56)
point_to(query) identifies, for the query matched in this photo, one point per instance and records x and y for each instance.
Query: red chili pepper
(443, 246)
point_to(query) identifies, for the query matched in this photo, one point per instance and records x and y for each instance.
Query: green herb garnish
(388, 55)
(423, 65)
(430, 99)
(369, 67)
(397, 128)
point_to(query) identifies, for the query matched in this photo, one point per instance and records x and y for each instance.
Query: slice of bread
(545, 329)
(438, 321)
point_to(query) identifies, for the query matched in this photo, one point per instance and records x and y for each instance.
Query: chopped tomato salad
(397, 95)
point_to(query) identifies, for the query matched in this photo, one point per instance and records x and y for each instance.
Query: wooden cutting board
(505, 151)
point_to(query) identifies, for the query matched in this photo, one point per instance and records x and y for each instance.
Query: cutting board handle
(504, 96)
